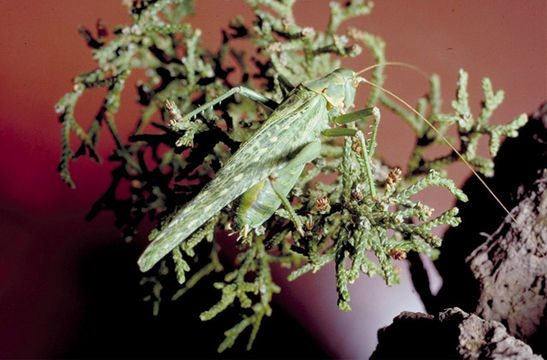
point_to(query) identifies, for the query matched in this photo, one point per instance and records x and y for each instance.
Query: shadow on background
(117, 323)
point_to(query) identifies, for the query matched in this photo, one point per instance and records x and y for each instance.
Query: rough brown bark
(453, 333)
(511, 267)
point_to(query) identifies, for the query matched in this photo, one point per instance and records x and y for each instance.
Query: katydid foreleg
(351, 117)
(366, 152)
(361, 114)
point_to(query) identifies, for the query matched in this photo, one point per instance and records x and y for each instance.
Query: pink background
(44, 234)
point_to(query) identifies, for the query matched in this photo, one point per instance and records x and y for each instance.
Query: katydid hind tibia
(295, 124)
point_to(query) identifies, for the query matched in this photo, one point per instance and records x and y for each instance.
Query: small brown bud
(425, 210)
(170, 106)
(322, 204)
(393, 177)
(174, 113)
(397, 254)
(356, 195)
(356, 146)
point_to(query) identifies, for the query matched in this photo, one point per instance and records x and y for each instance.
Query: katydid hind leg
(282, 188)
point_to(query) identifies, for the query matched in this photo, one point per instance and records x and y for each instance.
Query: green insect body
(259, 202)
(293, 125)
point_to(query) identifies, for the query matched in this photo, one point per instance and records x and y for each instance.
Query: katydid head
(338, 88)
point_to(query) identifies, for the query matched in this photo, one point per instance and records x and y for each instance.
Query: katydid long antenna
(407, 105)
(395, 63)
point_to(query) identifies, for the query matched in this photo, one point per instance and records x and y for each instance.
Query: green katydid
(265, 168)
(296, 123)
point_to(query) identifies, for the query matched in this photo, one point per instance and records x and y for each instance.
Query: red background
(44, 234)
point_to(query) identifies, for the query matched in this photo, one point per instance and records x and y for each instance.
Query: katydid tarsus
(265, 168)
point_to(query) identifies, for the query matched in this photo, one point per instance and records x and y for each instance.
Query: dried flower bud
(393, 177)
(174, 113)
(425, 210)
(356, 195)
(356, 146)
(397, 254)
(170, 106)
(322, 204)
